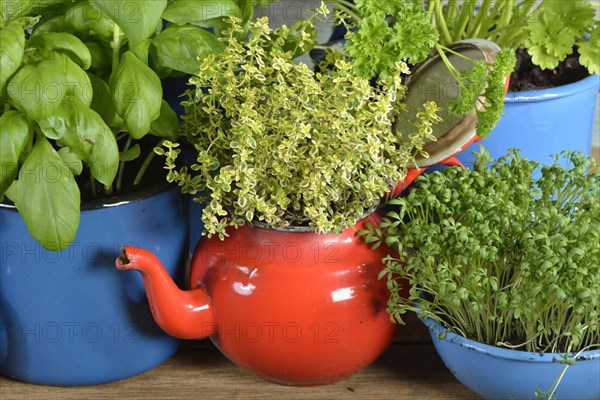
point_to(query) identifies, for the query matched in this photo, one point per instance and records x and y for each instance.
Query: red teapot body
(292, 306)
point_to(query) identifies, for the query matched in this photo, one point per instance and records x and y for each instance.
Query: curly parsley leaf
(471, 84)
(385, 35)
(483, 85)
(494, 92)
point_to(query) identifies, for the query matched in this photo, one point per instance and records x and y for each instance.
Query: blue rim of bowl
(517, 355)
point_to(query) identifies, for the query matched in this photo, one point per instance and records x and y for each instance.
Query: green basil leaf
(100, 58)
(200, 12)
(12, 39)
(38, 89)
(71, 160)
(78, 86)
(84, 17)
(14, 132)
(179, 47)
(141, 50)
(102, 102)
(56, 24)
(12, 9)
(64, 43)
(84, 132)
(47, 197)
(137, 18)
(51, 7)
(137, 94)
(53, 126)
(167, 124)
(131, 153)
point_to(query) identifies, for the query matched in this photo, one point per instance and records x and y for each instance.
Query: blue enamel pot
(499, 373)
(70, 317)
(544, 122)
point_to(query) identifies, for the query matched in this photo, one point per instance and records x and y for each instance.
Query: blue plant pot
(544, 122)
(498, 373)
(70, 317)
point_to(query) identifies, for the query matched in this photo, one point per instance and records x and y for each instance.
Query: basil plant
(81, 99)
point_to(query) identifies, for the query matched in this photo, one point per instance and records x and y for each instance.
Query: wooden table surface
(409, 370)
(200, 371)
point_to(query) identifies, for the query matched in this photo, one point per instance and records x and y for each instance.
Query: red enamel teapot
(296, 308)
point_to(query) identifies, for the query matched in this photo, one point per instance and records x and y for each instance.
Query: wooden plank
(198, 370)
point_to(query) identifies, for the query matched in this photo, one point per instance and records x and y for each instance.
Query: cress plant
(499, 256)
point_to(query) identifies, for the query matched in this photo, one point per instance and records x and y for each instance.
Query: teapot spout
(183, 314)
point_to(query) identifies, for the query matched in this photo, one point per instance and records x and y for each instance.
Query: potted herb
(503, 269)
(82, 107)
(557, 43)
(466, 78)
(290, 163)
(556, 76)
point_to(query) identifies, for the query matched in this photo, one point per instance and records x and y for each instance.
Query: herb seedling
(499, 256)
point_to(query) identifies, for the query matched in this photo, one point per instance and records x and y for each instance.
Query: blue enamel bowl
(500, 373)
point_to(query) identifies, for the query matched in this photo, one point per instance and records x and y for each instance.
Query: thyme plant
(499, 256)
(280, 143)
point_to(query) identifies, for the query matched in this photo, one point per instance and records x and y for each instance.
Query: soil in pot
(528, 76)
